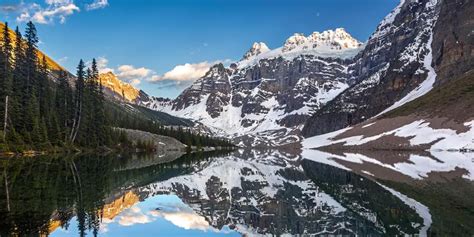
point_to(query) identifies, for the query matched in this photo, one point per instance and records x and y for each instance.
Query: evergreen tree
(20, 95)
(6, 49)
(31, 57)
(64, 105)
(78, 101)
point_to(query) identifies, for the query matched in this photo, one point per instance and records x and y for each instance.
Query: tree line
(41, 112)
(41, 108)
(123, 119)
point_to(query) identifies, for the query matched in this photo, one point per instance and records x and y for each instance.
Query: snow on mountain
(327, 44)
(395, 67)
(257, 49)
(269, 90)
(256, 192)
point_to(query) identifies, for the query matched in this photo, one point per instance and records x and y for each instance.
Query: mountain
(327, 81)
(396, 60)
(53, 65)
(257, 193)
(122, 98)
(120, 90)
(257, 49)
(407, 109)
(269, 91)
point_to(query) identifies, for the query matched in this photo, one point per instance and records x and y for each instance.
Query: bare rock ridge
(120, 90)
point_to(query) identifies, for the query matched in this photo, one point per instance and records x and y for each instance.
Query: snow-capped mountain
(328, 81)
(394, 68)
(327, 44)
(257, 193)
(269, 90)
(257, 49)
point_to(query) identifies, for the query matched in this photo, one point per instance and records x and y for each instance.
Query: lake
(243, 192)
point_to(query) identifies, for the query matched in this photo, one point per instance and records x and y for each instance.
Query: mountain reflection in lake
(243, 192)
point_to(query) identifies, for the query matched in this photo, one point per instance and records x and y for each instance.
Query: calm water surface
(224, 194)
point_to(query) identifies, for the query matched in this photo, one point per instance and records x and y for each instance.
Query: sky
(162, 46)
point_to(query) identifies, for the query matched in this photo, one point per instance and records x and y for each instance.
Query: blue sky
(161, 45)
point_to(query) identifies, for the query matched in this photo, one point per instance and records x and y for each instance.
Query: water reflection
(246, 192)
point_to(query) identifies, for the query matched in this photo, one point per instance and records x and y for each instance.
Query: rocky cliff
(328, 81)
(269, 90)
(421, 45)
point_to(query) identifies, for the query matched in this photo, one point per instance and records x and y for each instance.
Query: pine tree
(78, 101)
(100, 121)
(31, 57)
(6, 49)
(64, 106)
(32, 113)
(19, 85)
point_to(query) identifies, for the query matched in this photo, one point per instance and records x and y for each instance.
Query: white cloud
(8, 8)
(130, 72)
(51, 10)
(188, 72)
(97, 4)
(58, 2)
(55, 9)
(126, 73)
(102, 65)
(180, 76)
(135, 82)
(184, 219)
(133, 216)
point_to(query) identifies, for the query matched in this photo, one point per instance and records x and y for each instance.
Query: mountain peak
(120, 89)
(337, 39)
(335, 43)
(257, 49)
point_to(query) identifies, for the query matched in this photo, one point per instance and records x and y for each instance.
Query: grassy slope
(454, 100)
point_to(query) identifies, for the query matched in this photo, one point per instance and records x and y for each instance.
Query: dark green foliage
(125, 119)
(45, 111)
(44, 114)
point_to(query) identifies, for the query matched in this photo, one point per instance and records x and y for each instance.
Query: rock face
(391, 66)
(120, 90)
(328, 81)
(161, 143)
(420, 45)
(453, 42)
(269, 89)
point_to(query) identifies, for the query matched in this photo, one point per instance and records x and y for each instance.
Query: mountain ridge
(274, 95)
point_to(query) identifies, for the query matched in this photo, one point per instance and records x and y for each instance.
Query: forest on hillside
(41, 109)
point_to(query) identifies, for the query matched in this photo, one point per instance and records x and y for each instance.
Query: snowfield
(418, 132)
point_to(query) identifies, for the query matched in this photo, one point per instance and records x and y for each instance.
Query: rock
(161, 143)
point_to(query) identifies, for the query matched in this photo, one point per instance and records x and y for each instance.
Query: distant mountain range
(328, 81)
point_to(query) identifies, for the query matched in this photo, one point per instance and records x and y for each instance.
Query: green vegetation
(454, 100)
(64, 187)
(43, 109)
(40, 114)
(143, 119)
